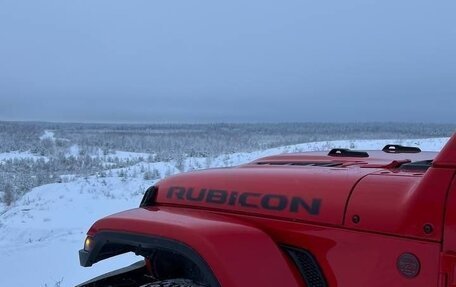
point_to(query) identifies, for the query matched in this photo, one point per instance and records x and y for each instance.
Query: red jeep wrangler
(344, 218)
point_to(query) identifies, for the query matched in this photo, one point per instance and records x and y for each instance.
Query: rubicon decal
(276, 202)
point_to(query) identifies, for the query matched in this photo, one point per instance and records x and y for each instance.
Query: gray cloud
(233, 61)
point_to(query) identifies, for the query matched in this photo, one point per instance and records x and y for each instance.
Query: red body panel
(450, 221)
(355, 258)
(401, 203)
(449, 239)
(356, 216)
(230, 246)
(307, 183)
(375, 157)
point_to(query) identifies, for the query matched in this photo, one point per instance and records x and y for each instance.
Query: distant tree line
(164, 142)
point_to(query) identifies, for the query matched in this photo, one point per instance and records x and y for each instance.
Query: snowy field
(41, 233)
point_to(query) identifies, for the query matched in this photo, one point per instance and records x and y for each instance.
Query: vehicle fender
(237, 253)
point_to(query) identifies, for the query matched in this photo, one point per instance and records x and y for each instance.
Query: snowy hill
(41, 233)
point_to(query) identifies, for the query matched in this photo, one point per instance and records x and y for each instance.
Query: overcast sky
(249, 60)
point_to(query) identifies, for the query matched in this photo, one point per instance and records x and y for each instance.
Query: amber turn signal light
(88, 243)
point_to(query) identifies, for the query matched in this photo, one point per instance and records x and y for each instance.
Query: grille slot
(307, 265)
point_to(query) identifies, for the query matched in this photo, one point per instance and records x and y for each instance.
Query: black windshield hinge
(395, 148)
(343, 152)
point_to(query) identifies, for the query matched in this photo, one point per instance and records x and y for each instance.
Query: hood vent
(301, 163)
(417, 165)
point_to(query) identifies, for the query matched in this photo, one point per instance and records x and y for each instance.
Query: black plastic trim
(417, 165)
(298, 163)
(142, 245)
(343, 152)
(150, 197)
(127, 276)
(307, 265)
(395, 148)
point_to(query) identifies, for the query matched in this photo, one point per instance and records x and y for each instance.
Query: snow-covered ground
(74, 151)
(40, 235)
(19, 155)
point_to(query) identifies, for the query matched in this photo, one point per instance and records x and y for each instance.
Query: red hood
(307, 187)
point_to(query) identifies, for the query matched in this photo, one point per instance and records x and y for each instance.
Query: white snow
(40, 235)
(47, 135)
(75, 151)
(19, 155)
(126, 155)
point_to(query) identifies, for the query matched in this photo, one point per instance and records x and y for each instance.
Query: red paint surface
(241, 244)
